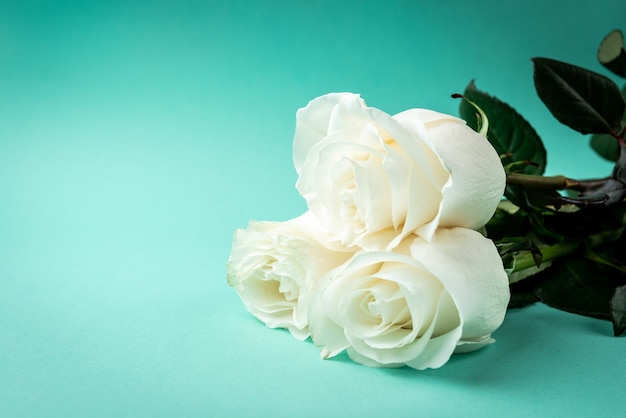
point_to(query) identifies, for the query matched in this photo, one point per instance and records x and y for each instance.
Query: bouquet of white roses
(388, 262)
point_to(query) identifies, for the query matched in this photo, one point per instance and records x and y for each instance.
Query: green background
(135, 136)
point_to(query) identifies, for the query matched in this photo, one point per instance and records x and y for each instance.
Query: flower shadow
(533, 341)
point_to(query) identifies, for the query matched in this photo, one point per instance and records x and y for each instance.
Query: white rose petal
(470, 267)
(414, 306)
(274, 267)
(478, 179)
(373, 179)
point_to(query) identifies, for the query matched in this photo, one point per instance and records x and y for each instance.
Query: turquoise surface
(136, 136)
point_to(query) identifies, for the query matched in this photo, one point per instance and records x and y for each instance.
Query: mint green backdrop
(135, 136)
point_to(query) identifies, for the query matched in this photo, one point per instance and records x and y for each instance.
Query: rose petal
(366, 361)
(367, 175)
(410, 353)
(275, 266)
(327, 334)
(470, 268)
(469, 345)
(312, 124)
(476, 169)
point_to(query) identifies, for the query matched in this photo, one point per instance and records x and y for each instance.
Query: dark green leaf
(605, 145)
(579, 286)
(609, 247)
(618, 310)
(612, 54)
(585, 222)
(519, 196)
(581, 99)
(509, 133)
(521, 297)
(503, 224)
(523, 292)
(521, 300)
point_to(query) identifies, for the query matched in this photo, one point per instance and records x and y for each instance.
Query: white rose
(274, 266)
(373, 179)
(414, 306)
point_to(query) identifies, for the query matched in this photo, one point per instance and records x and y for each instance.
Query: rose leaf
(578, 286)
(586, 222)
(585, 101)
(618, 310)
(504, 224)
(522, 293)
(605, 145)
(509, 133)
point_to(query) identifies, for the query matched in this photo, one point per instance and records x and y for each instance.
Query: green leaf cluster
(562, 240)
(510, 134)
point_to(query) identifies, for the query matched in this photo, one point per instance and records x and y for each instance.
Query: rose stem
(549, 253)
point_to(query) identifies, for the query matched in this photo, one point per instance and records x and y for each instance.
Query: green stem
(551, 182)
(525, 260)
(600, 260)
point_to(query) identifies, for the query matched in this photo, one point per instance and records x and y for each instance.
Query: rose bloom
(414, 306)
(274, 267)
(373, 179)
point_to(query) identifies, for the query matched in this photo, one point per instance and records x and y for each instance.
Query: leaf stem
(549, 253)
(551, 182)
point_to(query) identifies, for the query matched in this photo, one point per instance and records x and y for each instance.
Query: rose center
(274, 285)
(347, 198)
(385, 311)
(289, 288)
